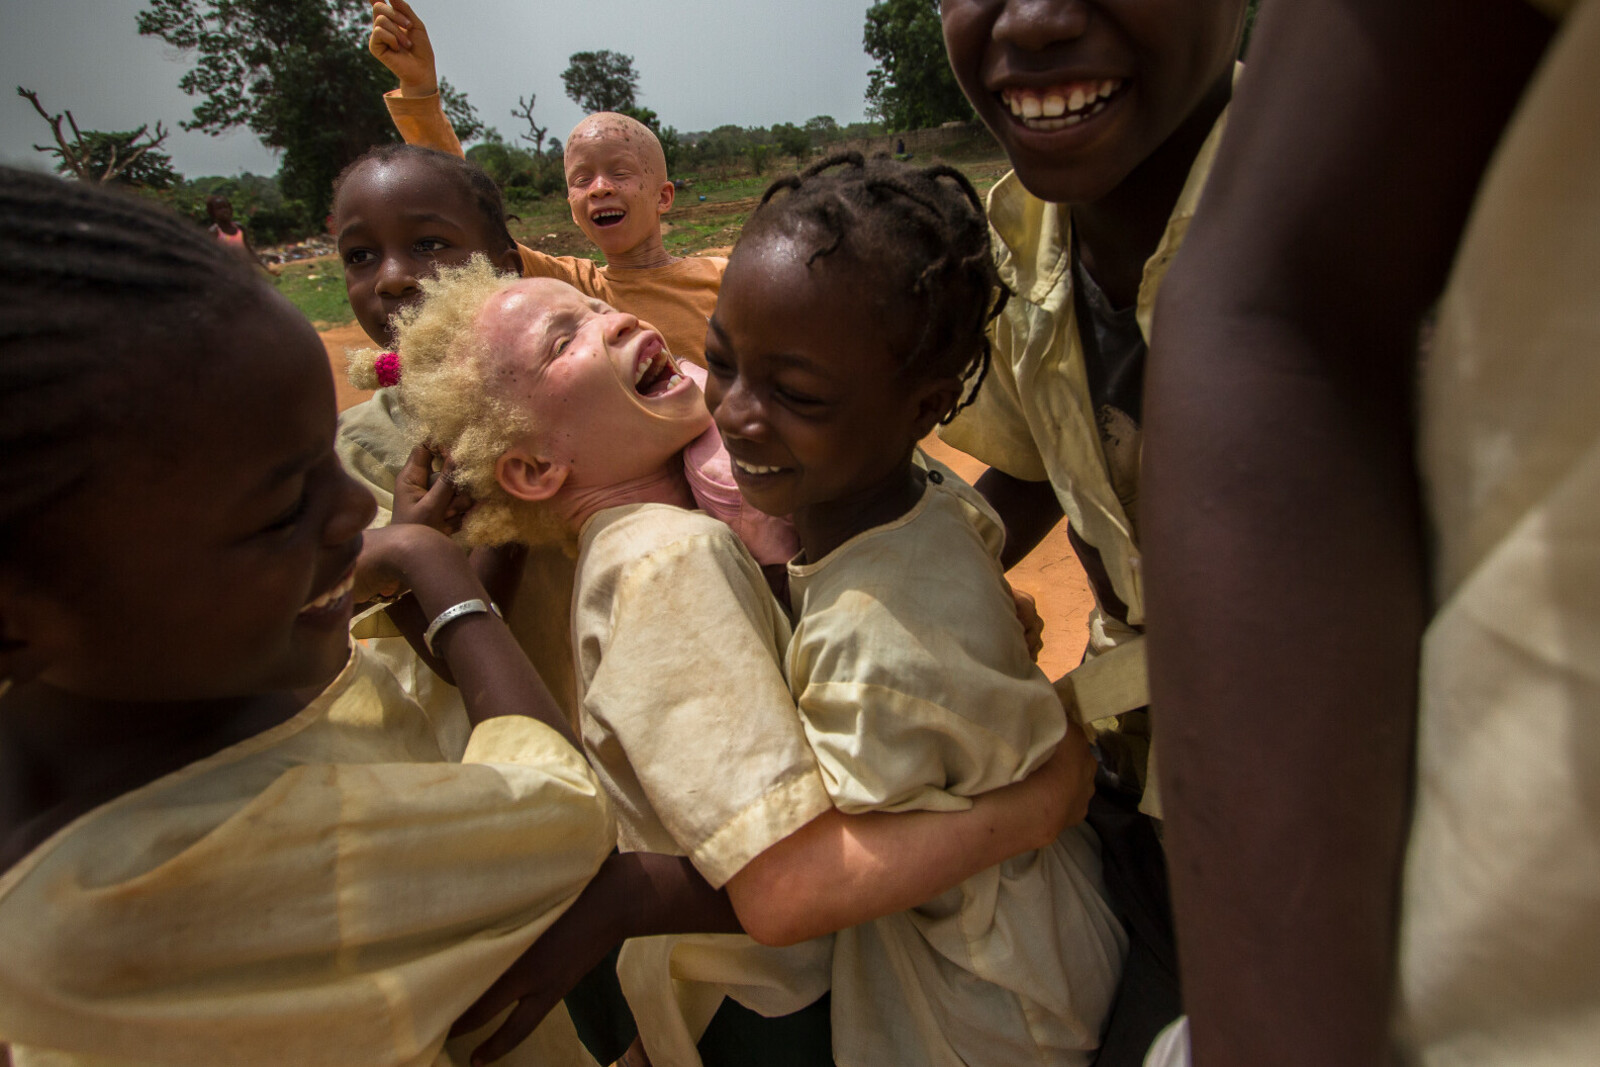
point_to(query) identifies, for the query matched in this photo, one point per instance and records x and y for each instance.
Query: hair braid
(920, 232)
(102, 299)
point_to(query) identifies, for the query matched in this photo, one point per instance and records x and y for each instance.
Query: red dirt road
(1050, 572)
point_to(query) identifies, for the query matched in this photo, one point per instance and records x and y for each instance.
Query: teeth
(1060, 107)
(336, 593)
(751, 468)
(674, 380)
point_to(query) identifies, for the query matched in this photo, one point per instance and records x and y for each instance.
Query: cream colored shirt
(1500, 930)
(330, 891)
(689, 725)
(916, 689)
(1033, 418)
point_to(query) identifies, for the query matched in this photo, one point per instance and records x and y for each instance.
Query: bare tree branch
(75, 156)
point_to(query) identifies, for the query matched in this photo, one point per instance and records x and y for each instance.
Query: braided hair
(463, 173)
(920, 232)
(104, 301)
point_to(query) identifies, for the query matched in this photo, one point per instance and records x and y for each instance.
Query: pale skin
(617, 183)
(836, 871)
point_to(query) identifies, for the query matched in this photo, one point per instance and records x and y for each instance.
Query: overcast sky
(701, 64)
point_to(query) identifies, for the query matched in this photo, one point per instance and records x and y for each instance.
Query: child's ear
(528, 477)
(665, 197)
(510, 260)
(934, 400)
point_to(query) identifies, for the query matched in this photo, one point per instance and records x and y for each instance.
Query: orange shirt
(677, 299)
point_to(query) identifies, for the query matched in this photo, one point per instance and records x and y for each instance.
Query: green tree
(912, 86)
(128, 157)
(822, 129)
(601, 81)
(791, 140)
(294, 72)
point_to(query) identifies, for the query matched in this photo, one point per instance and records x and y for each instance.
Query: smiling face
(217, 564)
(606, 400)
(805, 381)
(1081, 92)
(616, 183)
(398, 221)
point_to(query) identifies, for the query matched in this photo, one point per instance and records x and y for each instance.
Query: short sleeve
(688, 711)
(993, 428)
(345, 914)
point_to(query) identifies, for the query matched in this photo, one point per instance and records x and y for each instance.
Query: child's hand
(572, 947)
(1067, 779)
(400, 41)
(384, 566)
(1028, 615)
(440, 505)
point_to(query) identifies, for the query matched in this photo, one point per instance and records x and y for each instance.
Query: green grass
(693, 225)
(316, 287)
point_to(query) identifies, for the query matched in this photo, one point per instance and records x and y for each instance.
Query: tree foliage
(912, 86)
(601, 81)
(294, 72)
(791, 140)
(129, 157)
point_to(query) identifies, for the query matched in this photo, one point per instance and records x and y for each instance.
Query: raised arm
(400, 42)
(1286, 583)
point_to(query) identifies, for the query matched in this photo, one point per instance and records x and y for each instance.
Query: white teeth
(1057, 109)
(1107, 87)
(1054, 105)
(1075, 102)
(674, 380)
(751, 468)
(336, 593)
(1031, 108)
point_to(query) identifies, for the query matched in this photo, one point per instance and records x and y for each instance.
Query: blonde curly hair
(445, 372)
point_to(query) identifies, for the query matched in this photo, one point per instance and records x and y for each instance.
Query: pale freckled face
(605, 398)
(615, 188)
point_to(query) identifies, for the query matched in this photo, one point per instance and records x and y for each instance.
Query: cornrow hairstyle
(919, 233)
(467, 175)
(105, 303)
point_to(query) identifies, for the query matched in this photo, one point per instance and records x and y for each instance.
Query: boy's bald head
(622, 131)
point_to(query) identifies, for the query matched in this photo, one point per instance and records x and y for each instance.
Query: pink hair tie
(387, 367)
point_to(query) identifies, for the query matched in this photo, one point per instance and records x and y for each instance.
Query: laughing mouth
(608, 217)
(333, 596)
(655, 373)
(1060, 106)
(755, 468)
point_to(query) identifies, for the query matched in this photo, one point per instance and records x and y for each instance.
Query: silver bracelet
(451, 614)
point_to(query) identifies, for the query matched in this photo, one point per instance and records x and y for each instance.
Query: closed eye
(287, 520)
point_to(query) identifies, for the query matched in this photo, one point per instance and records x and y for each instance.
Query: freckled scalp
(624, 129)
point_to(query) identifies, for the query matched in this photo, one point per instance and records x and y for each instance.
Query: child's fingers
(417, 468)
(506, 990)
(386, 36)
(407, 16)
(522, 1021)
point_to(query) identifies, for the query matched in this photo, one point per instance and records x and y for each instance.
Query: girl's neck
(1116, 235)
(652, 253)
(666, 485)
(824, 527)
(62, 754)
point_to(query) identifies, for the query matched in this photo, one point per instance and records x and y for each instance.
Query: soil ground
(1051, 572)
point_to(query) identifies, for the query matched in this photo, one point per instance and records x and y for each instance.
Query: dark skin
(1279, 406)
(1122, 169)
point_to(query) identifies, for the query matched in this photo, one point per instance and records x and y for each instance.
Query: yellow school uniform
(689, 725)
(917, 692)
(330, 891)
(1033, 419)
(1501, 895)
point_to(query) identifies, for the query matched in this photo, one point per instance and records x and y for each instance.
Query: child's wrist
(411, 90)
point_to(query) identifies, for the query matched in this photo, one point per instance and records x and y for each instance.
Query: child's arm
(1029, 510)
(400, 42)
(1286, 582)
(836, 871)
(489, 667)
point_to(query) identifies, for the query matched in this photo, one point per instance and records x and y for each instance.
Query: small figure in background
(219, 209)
